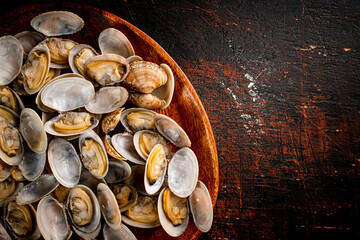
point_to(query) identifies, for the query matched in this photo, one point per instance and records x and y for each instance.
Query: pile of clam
(77, 160)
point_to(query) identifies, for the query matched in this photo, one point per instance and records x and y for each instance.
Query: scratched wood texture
(280, 83)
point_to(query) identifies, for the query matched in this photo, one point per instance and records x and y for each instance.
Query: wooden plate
(186, 108)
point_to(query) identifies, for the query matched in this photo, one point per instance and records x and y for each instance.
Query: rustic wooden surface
(279, 81)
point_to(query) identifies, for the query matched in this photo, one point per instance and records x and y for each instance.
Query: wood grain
(186, 108)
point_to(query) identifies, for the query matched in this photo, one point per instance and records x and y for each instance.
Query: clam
(143, 214)
(17, 174)
(5, 170)
(173, 213)
(145, 140)
(76, 90)
(201, 207)
(32, 164)
(78, 56)
(146, 100)
(125, 195)
(110, 148)
(11, 59)
(7, 188)
(114, 41)
(71, 123)
(93, 154)
(61, 193)
(123, 233)
(171, 131)
(21, 220)
(52, 220)
(8, 115)
(32, 130)
(36, 68)
(28, 40)
(111, 120)
(108, 206)
(136, 119)
(118, 171)
(64, 162)
(84, 211)
(124, 145)
(145, 77)
(183, 172)
(37, 189)
(155, 169)
(59, 51)
(11, 148)
(10, 99)
(107, 69)
(57, 23)
(107, 99)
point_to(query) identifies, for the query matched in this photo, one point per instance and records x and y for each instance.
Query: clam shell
(107, 99)
(74, 52)
(146, 100)
(114, 41)
(166, 224)
(32, 164)
(111, 120)
(5, 170)
(118, 171)
(11, 59)
(28, 40)
(126, 112)
(124, 145)
(183, 172)
(19, 103)
(52, 220)
(77, 92)
(134, 196)
(152, 188)
(64, 162)
(108, 206)
(8, 115)
(91, 230)
(32, 130)
(166, 91)
(57, 23)
(16, 159)
(18, 187)
(123, 233)
(49, 126)
(201, 207)
(37, 189)
(90, 134)
(171, 131)
(159, 139)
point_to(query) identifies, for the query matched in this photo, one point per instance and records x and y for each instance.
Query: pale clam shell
(11, 59)
(28, 40)
(166, 224)
(123, 233)
(114, 41)
(57, 23)
(153, 188)
(32, 164)
(64, 162)
(127, 112)
(118, 171)
(14, 160)
(77, 92)
(183, 172)
(201, 207)
(73, 52)
(52, 219)
(124, 145)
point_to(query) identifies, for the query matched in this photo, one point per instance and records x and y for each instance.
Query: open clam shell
(32, 130)
(59, 51)
(136, 119)
(64, 162)
(28, 40)
(37, 189)
(107, 99)
(118, 171)
(166, 223)
(183, 172)
(11, 99)
(21, 220)
(145, 141)
(89, 212)
(52, 220)
(71, 124)
(5, 170)
(9, 188)
(11, 59)
(125, 195)
(108, 206)
(114, 41)
(143, 214)
(155, 169)
(12, 150)
(201, 207)
(124, 144)
(171, 131)
(78, 56)
(57, 23)
(93, 154)
(8, 115)
(77, 92)
(166, 91)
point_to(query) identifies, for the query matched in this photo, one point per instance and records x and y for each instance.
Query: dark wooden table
(280, 83)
